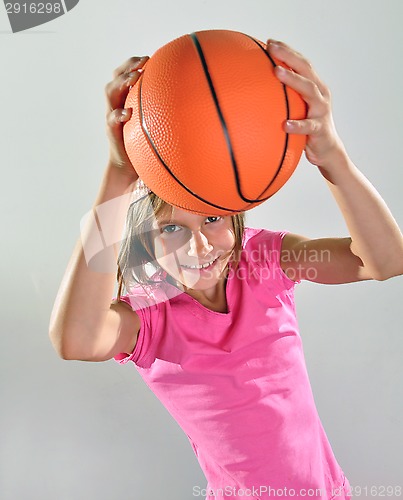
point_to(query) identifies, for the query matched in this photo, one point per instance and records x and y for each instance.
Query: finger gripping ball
(206, 131)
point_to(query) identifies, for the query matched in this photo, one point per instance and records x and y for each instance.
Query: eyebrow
(167, 221)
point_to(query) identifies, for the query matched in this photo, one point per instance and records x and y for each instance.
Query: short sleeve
(276, 261)
(148, 315)
(264, 251)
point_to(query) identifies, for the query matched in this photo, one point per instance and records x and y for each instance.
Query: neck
(213, 298)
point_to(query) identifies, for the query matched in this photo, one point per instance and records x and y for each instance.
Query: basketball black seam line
(225, 128)
(154, 148)
(287, 118)
(222, 121)
(220, 115)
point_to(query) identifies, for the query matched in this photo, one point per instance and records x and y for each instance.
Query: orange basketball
(206, 132)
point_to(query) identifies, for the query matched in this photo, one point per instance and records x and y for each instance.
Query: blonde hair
(137, 249)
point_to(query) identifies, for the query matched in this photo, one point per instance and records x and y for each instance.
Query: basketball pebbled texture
(206, 131)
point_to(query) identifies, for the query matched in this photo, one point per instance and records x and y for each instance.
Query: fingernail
(291, 124)
(133, 74)
(280, 70)
(123, 115)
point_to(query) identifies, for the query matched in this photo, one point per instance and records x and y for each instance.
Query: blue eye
(172, 228)
(213, 219)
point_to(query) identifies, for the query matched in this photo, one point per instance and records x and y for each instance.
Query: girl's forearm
(376, 237)
(87, 287)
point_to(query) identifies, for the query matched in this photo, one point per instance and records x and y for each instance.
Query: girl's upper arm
(323, 260)
(119, 333)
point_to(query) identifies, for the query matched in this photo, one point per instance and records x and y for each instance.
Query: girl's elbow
(58, 345)
(385, 275)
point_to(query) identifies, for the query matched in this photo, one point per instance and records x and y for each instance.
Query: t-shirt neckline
(200, 308)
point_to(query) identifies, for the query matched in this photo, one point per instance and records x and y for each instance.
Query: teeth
(203, 266)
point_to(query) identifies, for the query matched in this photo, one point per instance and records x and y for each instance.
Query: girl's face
(193, 249)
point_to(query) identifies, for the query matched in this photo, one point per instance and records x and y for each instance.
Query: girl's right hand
(125, 76)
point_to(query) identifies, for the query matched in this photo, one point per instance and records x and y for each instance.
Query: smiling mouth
(201, 266)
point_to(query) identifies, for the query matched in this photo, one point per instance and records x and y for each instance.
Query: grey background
(76, 430)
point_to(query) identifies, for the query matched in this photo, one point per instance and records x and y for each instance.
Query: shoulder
(263, 239)
(261, 257)
(151, 297)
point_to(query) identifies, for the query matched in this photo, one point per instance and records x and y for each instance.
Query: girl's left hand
(323, 144)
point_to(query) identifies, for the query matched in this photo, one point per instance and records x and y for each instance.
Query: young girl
(209, 316)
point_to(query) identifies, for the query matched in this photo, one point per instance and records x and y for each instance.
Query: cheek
(159, 248)
(167, 253)
(225, 240)
(168, 262)
(167, 245)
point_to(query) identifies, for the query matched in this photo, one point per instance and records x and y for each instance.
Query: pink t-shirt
(237, 382)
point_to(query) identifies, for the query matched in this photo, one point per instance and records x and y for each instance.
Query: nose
(199, 245)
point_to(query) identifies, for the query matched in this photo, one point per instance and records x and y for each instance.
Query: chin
(201, 280)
